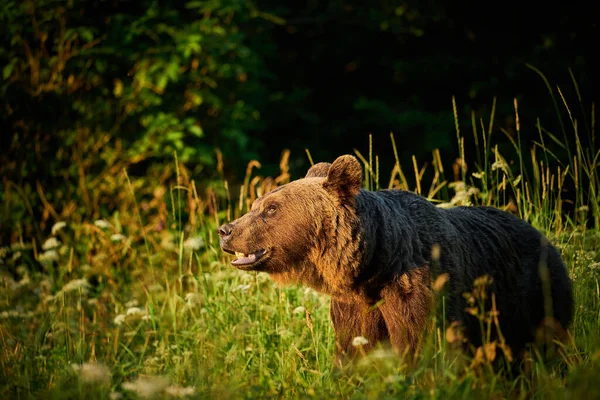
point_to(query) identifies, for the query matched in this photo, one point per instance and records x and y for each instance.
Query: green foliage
(144, 303)
(136, 83)
(132, 85)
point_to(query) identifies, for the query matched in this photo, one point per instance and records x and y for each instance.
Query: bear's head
(304, 231)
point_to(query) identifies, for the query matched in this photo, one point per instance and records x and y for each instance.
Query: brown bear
(371, 251)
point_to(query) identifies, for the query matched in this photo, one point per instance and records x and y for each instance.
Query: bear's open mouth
(243, 260)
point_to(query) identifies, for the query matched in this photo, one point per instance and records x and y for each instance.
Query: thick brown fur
(327, 261)
(372, 253)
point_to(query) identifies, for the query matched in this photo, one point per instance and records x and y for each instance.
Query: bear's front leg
(351, 320)
(406, 307)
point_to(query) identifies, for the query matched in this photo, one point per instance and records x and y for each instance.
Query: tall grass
(143, 303)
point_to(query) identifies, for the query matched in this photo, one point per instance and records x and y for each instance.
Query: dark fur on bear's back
(372, 252)
(474, 241)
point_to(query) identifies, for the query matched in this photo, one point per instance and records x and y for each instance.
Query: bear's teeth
(240, 255)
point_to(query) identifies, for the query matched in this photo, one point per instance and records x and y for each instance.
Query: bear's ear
(344, 177)
(318, 170)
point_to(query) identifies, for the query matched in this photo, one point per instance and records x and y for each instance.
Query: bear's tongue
(244, 258)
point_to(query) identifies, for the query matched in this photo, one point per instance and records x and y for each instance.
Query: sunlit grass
(143, 303)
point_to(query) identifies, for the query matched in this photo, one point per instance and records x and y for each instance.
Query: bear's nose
(225, 230)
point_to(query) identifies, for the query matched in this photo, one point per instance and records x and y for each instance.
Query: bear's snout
(224, 231)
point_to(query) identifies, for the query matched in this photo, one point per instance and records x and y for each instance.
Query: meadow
(141, 303)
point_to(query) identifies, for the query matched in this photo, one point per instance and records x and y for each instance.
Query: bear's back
(474, 241)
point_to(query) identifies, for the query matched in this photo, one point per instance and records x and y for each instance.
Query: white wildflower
(119, 319)
(117, 237)
(58, 226)
(299, 310)
(51, 243)
(178, 391)
(147, 387)
(241, 288)
(115, 396)
(131, 303)
(477, 175)
(134, 311)
(102, 224)
(193, 299)
(75, 284)
(93, 373)
(48, 256)
(193, 243)
(461, 198)
(146, 317)
(359, 341)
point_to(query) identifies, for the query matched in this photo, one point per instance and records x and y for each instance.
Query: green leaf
(86, 34)
(162, 81)
(196, 130)
(174, 136)
(7, 70)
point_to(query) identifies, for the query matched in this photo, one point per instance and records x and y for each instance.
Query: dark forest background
(92, 87)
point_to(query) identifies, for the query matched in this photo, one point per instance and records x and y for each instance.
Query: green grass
(144, 303)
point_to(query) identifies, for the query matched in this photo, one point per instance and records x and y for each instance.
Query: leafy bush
(130, 84)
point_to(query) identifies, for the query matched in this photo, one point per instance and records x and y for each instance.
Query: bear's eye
(271, 209)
